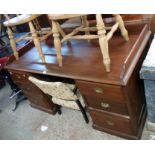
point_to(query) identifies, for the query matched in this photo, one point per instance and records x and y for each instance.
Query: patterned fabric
(56, 89)
(64, 103)
(62, 93)
(69, 104)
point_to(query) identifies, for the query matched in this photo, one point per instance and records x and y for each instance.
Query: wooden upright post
(13, 43)
(103, 42)
(57, 42)
(122, 28)
(36, 41)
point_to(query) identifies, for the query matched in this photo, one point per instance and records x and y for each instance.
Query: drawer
(112, 122)
(107, 92)
(99, 103)
(19, 77)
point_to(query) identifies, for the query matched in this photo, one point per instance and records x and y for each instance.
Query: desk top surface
(82, 60)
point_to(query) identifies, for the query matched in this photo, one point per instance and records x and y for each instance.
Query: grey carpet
(26, 123)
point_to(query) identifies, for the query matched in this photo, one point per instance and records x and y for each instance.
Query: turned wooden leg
(13, 43)
(57, 42)
(63, 34)
(36, 42)
(103, 42)
(122, 28)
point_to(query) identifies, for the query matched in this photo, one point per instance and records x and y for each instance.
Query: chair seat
(64, 16)
(21, 19)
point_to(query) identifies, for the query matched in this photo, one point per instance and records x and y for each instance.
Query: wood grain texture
(77, 67)
(37, 98)
(123, 111)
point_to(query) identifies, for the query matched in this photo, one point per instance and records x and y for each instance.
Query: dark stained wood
(37, 98)
(121, 89)
(100, 104)
(112, 122)
(22, 50)
(135, 104)
(137, 18)
(153, 24)
(80, 65)
(102, 90)
(124, 134)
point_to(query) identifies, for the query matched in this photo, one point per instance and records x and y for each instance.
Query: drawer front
(108, 121)
(99, 103)
(107, 92)
(21, 77)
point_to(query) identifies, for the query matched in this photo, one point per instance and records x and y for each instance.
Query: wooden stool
(100, 27)
(37, 34)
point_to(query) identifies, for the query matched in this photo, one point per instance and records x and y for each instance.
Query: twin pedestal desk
(115, 100)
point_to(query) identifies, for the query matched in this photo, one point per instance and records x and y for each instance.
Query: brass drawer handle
(98, 90)
(105, 105)
(110, 123)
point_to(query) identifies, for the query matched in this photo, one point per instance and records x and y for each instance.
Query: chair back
(58, 90)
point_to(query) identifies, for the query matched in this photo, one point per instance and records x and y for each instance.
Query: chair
(63, 94)
(100, 27)
(37, 34)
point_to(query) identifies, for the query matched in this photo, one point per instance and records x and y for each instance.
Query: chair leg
(103, 42)
(20, 97)
(122, 28)
(59, 110)
(83, 111)
(57, 42)
(13, 43)
(36, 41)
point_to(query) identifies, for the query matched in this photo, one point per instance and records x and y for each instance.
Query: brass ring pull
(105, 105)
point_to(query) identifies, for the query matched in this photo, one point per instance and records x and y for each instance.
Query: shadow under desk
(115, 100)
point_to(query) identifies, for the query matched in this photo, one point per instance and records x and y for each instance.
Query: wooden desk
(115, 100)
